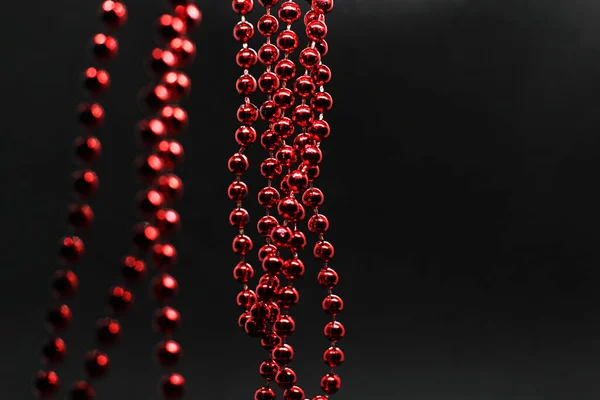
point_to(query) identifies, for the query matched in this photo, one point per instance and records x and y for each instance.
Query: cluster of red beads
(88, 148)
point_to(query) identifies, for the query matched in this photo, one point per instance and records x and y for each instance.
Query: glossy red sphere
(81, 390)
(266, 224)
(145, 235)
(108, 331)
(96, 81)
(294, 393)
(265, 393)
(85, 183)
(88, 149)
(133, 269)
(287, 41)
(242, 244)
(270, 168)
(167, 320)
(246, 299)
(189, 13)
(242, 7)
(313, 198)
(289, 12)
(164, 256)
(284, 326)
(293, 269)
(324, 251)
(168, 353)
(184, 50)
(243, 272)
(104, 47)
(170, 186)
(149, 167)
(91, 115)
(270, 111)
(96, 364)
(333, 304)
(284, 127)
(46, 384)
(178, 84)
(170, 27)
(113, 13)
(334, 331)
(65, 283)
(285, 69)
(266, 251)
(168, 221)
(243, 31)
(268, 370)
(309, 57)
(54, 351)
(334, 357)
(246, 84)
(321, 74)
(268, 197)
(285, 378)
(288, 296)
(321, 102)
(170, 152)
(155, 97)
(331, 383)
(120, 300)
(270, 140)
(247, 114)
(237, 191)
(172, 386)
(268, 54)
(283, 354)
(164, 287)
(162, 61)
(322, 6)
(316, 30)
(71, 250)
(174, 118)
(303, 115)
(268, 25)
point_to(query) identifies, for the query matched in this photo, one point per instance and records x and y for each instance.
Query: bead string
(85, 183)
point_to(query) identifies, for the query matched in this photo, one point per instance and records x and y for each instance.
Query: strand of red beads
(247, 115)
(85, 184)
(320, 102)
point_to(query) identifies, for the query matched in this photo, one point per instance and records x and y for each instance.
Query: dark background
(461, 184)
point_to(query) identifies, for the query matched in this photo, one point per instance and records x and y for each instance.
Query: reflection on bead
(318, 224)
(293, 269)
(184, 50)
(331, 383)
(149, 167)
(247, 114)
(65, 283)
(246, 84)
(288, 296)
(322, 47)
(270, 340)
(168, 353)
(243, 272)
(269, 140)
(316, 30)
(268, 54)
(284, 127)
(120, 299)
(303, 115)
(265, 393)
(286, 155)
(242, 244)
(245, 316)
(268, 197)
(266, 251)
(321, 102)
(322, 6)
(242, 7)
(290, 209)
(172, 386)
(155, 97)
(268, 25)
(170, 27)
(245, 136)
(289, 12)
(287, 41)
(283, 98)
(268, 370)
(237, 191)
(321, 74)
(178, 84)
(246, 58)
(105, 47)
(170, 186)
(294, 393)
(151, 131)
(260, 311)
(82, 390)
(333, 304)
(162, 61)
(285, 69)
(298, 182)
(132, 269)
(174, 118)
(167, 320)
(266, 224)
(168, 221)
(164, 256)
(54, 351)
(334, 331)
(85, 183)
(283, 355)
(281, 236)
(164, 287)
(144, 235)
(170, 152)
(333, 357)
(96, 81)
(254, 328)
(239, 217)
(97, 364)
(108, 331)
(149, 201)
(284, 326)
(313, 197)
(243, 31)
(190, 14)
(270, 111)
(304, 87)
(46, 384)
(90, 116)
(113, 13)
(246, 299)
(285, 378)
(309, 57)
(320, 130)
(272, 264)
(88, 149)
(323, 251)
(270, 168)
(72, 249)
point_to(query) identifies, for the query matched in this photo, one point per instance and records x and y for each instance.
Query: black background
(460, 181)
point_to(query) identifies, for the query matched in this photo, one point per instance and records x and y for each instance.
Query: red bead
(267, 287)
(243, 31)
(246, 84)
(266, 224)
(65, 283)
(286, 378)
(268, 82)
(132, 269)
(149, 167)
(149, 201)
(108, 331)
(80, 216)
(96, 81)
(178, 84)
(144, 235)
(165, 287)
(334, 331)
(167, 320)
(323, 251)
(298, 241)
(290, 209)
(281, 236)
(322, 47)
(311, 154)
(321, 102)
(170, 27)
(294, 393)
(97, 364)
(170, 152)
(46, 384)
(284, 127)
(260, 311)
(272, 264)
(268, 370)
(174, 118)
(170, 186)
(85, 183)
(245, 136)
(333, 357)
(318, 224)
(164, 256)
(266, 251)
(265, 393)
(91, 116)
(246, 58)
(238, 163)
(283, 98)
(268, 54)
(293, 269)
(243, 272)
(190, 14)
(289, 12)
(270, 140)
(113, 13)
(270, 111)
(242, 7)
(156, 97)
(301, 141)
(286, 155)
(316, 30)
(304, 86)
(288, 297)
(254, 328)
(151, 131)
(284, 326)
(313, 198)
(283, 355)
(168, 353)
(298, 181)
(242, 245)
(172, 386)
(270, 168)
(285, 69)
(275, 310)
(303, 115)
(309, 57)
(331, 383)
(311, 171)
(82, 390)
(287, 41)
(88, 149)
(168, 221)
(321, 74)
(55, 350)
(322, 6)
(243, 318)
(120, 299)
(239, 217)
(184, 50)
(237, 191)
(162, 61)
(105, 47)
(247, 114)
(72, 249)
(333, 304)
(246, 299)
(268, 25)
(311, 15)
(270, 340)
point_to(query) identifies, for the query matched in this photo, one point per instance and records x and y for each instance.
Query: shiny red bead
(303, 115)
(290, 209)
(149, 167)
(311, 154)
(88, 149)
(168, 353)
(189, 13)
(321, 102)
(156, 97)
(304, 86)
(286, 155)
(164, 287)
(323, 251)
(267, 287)
(238, 163)
(268, 3)
(168, 221)
(243, 318)
(298, 181)
(151, 131)
(294, 393)
(270, 111)
(237, 191)
(321, 74)
(268, 54)
(281, 236)
(318, 224)
(293, 269)
(266, 251)
(170, 186)
(268, 370)
(316, 30)
(243, 272)
(322, 47)
(108, 331)
(65, 283)
(172, 386)
(245, 136)
(283, 355)
(268, 82)
(170, 27)
(288, 297)
(270, 168)
(265, 393)
(71, 250)
(149, 201)
(80, 216)
(283, 98)
(132, 269)
(96, 81)
(162, 61)
(91, 116)
(331, 383)
(268, 25)
(270, 340)
(105, 47)
(333, 304)
(287, 41)
(301, 141)
(313, 198)
(272, 264)
(54, 351)
(266, 224)
(322, 6)
(96, 364)
(184, 50)
(284, 326)
(312, 15)
(285, 69)
(289, 12)
(246, 84)
(178, 84)
(260, 311)
(167, 320)
(242, 245)
(170, 152)
(113, 13)
(47, 384)
(333, 357)
(285, 378)
(311, 171)
(242, 7)
(174, 118)
(120, 299)
(255, 328)
(309, 57)
(298, 241)
(334, 331)
(239, 218)
(270, 140)
(164, 256)
(85, 183)
(243, 31)
(246, 58)
(81, 390)
(284, 127)
(144, 235)
(247, 114)
(246, 298)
